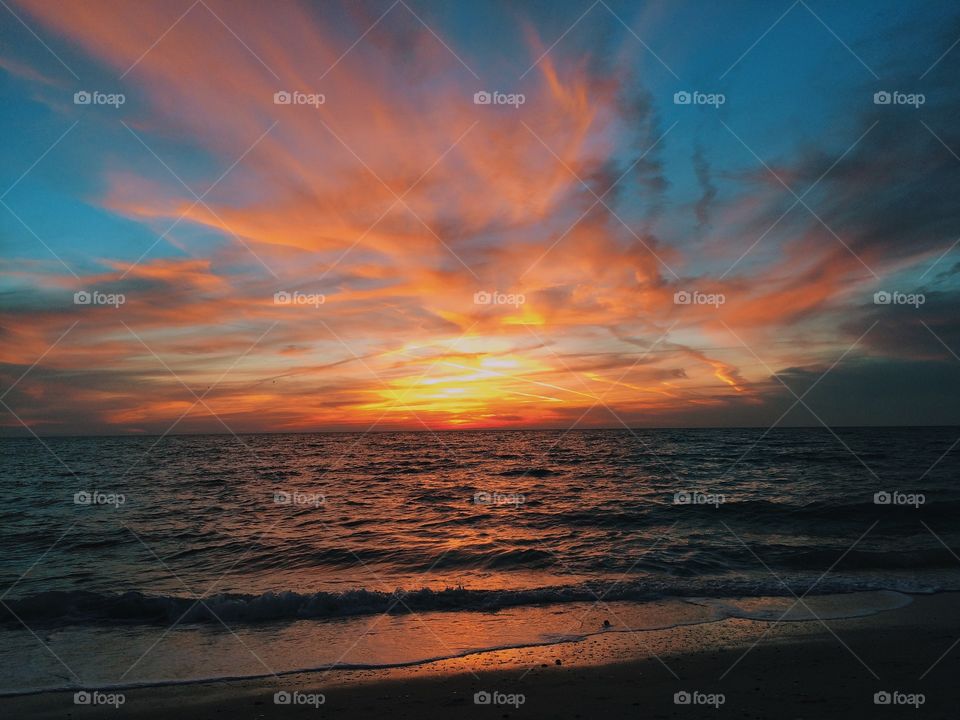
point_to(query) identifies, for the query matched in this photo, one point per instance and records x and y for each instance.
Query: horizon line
(486, 429)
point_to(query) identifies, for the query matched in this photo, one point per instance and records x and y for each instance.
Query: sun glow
(467, 387)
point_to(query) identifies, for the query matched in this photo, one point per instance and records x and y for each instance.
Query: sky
(668, 214)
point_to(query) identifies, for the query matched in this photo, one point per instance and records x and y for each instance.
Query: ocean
(140, 560)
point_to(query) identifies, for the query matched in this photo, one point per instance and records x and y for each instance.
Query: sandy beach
(734, 668)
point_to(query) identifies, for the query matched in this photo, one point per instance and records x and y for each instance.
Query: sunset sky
(398, 199)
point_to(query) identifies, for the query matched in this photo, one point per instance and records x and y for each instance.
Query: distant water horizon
(295, 540)
(416, 431)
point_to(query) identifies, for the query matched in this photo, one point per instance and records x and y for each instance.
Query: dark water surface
(306, 530)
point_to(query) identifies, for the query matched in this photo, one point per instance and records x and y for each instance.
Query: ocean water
(141, 560)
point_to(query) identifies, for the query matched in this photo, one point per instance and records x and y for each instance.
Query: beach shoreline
(735, 667)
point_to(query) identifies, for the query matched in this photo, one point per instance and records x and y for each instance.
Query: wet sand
(757, 670)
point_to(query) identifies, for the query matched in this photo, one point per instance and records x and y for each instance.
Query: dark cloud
(893, 196)
(874, 392)
(708, 191)
(929, 331)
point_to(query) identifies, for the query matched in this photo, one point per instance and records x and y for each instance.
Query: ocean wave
(866, 559)
(758, 513)
(92, 608)
(534, 472)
